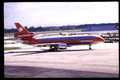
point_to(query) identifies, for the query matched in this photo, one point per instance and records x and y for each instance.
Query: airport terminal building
(101, 27)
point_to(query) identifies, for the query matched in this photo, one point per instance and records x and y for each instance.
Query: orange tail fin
(20, 28)
(23, 34)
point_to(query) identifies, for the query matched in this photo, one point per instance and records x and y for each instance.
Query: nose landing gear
(90, 46)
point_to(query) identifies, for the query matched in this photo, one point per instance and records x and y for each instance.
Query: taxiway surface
(75, 62)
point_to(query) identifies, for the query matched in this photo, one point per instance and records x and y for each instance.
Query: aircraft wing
(55, 45)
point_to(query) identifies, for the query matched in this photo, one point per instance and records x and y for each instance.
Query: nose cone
(98, 40)
(101, 40)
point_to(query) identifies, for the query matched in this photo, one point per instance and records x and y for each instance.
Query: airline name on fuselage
(86, 41)
(25, 35)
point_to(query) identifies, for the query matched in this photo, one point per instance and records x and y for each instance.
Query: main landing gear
(53, 47)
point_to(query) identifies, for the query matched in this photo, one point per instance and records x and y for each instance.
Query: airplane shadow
(41, 72)
(43, 51)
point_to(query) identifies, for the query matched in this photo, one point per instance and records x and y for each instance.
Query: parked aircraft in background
(55, 43)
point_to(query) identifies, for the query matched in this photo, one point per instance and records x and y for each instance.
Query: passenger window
(91, 37)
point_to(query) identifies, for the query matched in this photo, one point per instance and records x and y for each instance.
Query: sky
(59, 13)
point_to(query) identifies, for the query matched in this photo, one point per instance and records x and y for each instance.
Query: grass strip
(10, 48)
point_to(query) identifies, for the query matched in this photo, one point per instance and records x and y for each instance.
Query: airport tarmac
(75, 62)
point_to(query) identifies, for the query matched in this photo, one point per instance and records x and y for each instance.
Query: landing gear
(90, 46)
(53, 47)
(58, 46)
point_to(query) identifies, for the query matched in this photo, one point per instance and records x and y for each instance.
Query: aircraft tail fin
(23, 34)
(20, 28)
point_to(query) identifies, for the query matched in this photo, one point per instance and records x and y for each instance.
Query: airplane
(55, 43)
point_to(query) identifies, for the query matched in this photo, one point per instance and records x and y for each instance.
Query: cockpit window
(99, 38)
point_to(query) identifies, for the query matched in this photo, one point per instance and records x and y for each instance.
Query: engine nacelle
(33, 34)
(62, 46)
(24, 36)
(57, 46)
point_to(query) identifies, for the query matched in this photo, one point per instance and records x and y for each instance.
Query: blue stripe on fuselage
(66, 38)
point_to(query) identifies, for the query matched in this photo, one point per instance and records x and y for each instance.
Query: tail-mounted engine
(23, 36)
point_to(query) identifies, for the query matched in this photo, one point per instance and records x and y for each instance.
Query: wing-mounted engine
(62, 46)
